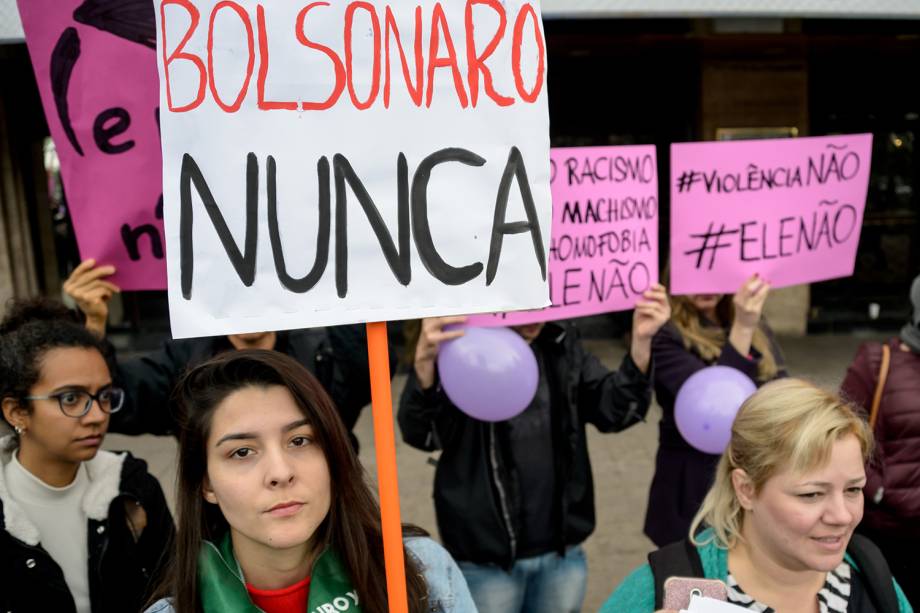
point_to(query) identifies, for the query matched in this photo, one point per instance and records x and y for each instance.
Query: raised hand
(89, 289)
(748, 302)
(429, 341)
(652, 312)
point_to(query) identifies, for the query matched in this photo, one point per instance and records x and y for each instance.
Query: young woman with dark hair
(274, 511)
(83, 530)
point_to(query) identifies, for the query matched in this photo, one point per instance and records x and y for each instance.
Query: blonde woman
(704, 330)
(777, 525)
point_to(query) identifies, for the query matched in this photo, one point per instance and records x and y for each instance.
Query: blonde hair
(708, 341)
(788, 423)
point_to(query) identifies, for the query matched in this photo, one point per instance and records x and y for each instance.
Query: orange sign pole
(385, 442)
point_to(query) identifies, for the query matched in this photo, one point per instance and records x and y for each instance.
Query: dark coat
(683, 475)
(893, 486)
(337, 356)
(476, 497)
(122, 572)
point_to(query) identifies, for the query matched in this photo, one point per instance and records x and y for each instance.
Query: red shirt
(291, 599)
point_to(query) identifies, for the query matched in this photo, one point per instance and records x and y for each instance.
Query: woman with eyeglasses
(83, 530)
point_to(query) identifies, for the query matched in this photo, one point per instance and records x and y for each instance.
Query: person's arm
(88, 288)
(674, 363)
(748, 302)
(859, 383)
(158, 538)
(613, 401)
(427, 418)
(148, 382)
(635, 594)
(425, 414)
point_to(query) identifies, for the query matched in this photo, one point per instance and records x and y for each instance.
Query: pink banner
(96, 69)
(788, 209)
(604, 245)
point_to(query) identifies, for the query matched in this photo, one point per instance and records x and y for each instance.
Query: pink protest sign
(96, 69)
(604, 244)
(788, 209)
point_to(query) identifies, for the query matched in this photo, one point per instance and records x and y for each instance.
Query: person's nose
(838, 511)
(95, 415)
(279, 470)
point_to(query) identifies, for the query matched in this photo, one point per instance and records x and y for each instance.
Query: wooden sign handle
(385, 443)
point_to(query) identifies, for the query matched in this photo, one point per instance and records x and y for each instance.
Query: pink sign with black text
(790, 210)
(96, 68)
(604, 243)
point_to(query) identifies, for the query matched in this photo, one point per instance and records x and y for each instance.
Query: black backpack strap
(874, 574)
(679, 559)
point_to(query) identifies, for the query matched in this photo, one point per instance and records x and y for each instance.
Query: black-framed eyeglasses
(77, 403)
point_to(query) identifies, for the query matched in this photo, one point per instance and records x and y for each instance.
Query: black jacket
(475, 491)
(122, 571)
(337, 356)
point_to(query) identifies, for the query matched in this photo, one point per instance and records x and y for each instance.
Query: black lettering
(566, 286)
(514, 169)
(397, 259)
(131, 237)
(783, 236)
(421, 230)
(105, 130)
(638, 288)
(244, 263)
(851, 210)
(308, 281)
(745, 241)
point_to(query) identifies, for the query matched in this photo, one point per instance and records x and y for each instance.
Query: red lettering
(375, 82)
(516, 54)
(267, 105)
(439, 24)
(244, 17)
(476, 64)
(178, 54)
(415, 91)
(332, 55)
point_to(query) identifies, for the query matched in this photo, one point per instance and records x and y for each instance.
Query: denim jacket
(447, 589)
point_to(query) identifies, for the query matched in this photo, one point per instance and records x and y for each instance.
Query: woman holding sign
(274, 512)
(514, 499)
(704, 330)
(777, 525)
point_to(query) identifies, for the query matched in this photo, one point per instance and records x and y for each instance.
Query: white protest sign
(341, 162)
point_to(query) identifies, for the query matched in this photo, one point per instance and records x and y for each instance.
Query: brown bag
(880, 386)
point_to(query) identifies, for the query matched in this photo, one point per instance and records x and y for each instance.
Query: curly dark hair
(29, 329)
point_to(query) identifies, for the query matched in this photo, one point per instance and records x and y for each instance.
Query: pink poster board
(604, 244)
(788, 209)
(96, 69)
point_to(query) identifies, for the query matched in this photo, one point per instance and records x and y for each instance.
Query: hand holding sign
(431, 336)
(89, 289)
(652, 312)
(748, 302)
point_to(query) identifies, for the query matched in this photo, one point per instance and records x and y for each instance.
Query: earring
(18, 430)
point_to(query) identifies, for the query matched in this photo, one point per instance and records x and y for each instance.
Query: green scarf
(223, 590)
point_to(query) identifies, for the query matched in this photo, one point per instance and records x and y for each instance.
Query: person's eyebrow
(826, 484)
(76, 387)
(296, 424)
(245, 436)
(236, 436)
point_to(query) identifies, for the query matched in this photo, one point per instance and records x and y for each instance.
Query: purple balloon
(706, 406)
(489, 373)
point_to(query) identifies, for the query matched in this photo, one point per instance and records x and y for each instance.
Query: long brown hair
(352, 527)
(708, 341)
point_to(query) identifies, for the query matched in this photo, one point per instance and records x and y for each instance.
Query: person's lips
(93, 440)
(832, 543)
(285, 509)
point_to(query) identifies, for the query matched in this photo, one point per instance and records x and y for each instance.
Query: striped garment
(832, 598)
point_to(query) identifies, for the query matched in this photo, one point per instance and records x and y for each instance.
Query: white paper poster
(341, 162)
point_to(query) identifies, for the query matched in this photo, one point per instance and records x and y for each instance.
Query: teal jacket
(637, 592)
